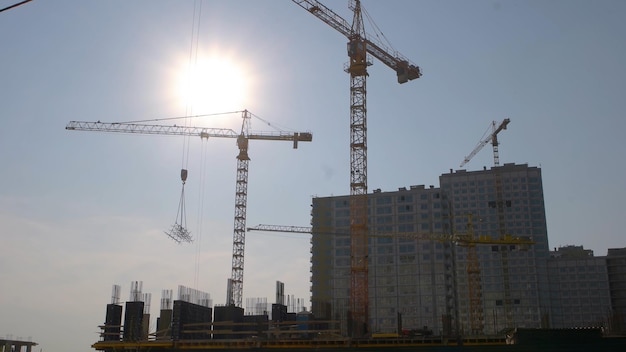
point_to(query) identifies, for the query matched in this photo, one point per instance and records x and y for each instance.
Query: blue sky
(81, 211)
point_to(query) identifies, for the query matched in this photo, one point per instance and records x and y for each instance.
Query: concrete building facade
(417, 283)
(616, 268)
(409, 281)
(419, 280)
(579, 288)
(514, 279)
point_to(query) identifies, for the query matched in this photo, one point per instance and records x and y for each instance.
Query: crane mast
(358, 48)
(235, 283)
(234, 287)
(359, 302)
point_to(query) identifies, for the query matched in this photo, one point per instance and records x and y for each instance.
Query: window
(383, 210)
(342, 222)
(405, 218)
(342, 242)
(384, 250)
(384, 219)
(339, 252)
(405, 198)
(407, 259)
(342, 213)
(383, 229)
(342, 261)
(341, 203)
(405, 208)
(406, 248)
(405, 228)
(383, 200)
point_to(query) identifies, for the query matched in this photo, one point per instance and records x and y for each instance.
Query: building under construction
(190, 322)
(421, 277)
(426, 288)
(463, 263)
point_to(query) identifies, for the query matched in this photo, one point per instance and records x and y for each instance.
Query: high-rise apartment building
(416, 283)
(504, 200)
(409, 285)
(616, 267)
(579, 288)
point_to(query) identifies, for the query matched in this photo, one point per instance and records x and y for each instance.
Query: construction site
(463, 264)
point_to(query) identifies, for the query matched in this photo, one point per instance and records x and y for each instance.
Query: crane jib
(203, 132)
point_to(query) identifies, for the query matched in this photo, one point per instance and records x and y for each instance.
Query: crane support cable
(192, 64)
(15, 5)
(180, 117)
(198, 239)
(378, 33)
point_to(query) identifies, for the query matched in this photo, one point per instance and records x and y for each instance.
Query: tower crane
(235, 283)
(493, 138)
(499, 204)
(359, 46)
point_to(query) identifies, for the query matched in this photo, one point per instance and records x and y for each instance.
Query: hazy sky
(81, 211)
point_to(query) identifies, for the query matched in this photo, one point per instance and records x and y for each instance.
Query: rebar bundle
(179, 232)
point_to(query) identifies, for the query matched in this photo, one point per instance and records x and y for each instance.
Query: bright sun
(212, 85)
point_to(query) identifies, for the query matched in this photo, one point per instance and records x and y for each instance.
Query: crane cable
(487, 133)
(203, 166)
(15, 5)
(378, 33)
(178, 231)
(191, 66)
(193, 56)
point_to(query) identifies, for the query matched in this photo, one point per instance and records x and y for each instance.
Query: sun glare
(212, 85)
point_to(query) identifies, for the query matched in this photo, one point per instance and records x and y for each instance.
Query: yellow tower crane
(499, 204)
(359, 46)
(235, 283)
